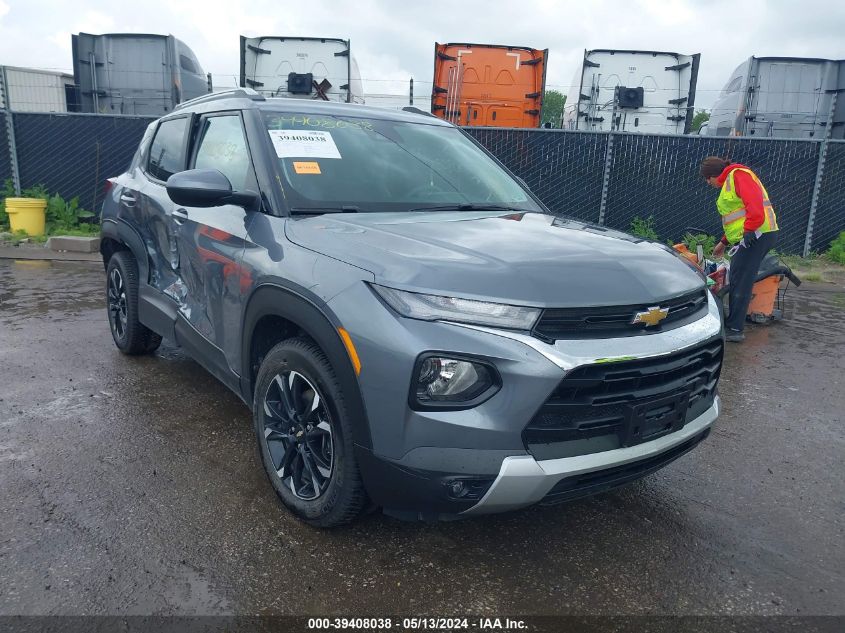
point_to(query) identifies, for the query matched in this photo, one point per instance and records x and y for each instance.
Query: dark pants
(744, 267)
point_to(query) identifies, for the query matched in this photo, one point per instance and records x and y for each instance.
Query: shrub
(707, 242)
(61, 216)
(644, 228)
(837, 249)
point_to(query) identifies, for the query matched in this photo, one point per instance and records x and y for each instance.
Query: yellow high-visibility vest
(732, 208)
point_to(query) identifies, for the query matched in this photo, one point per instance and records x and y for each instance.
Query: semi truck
(301, 68)
(633, 91)
(135, 73)
(488, 84)
(786, 97)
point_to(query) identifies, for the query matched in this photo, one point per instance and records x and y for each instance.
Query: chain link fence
(658, 175)
(597, 177)
(565, 170)
(611, 179)
(829, 219)
(5, 150)
(73, 154)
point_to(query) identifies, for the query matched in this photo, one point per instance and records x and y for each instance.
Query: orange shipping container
(488, 85)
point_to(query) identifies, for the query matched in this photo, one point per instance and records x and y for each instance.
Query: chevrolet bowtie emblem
(652, 316)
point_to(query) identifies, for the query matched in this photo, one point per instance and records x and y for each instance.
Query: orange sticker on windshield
(306, 167)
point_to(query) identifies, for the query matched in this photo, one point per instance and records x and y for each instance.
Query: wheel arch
(118, 236)
(274, 313)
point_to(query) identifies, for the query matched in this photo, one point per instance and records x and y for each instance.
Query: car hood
(522, 258)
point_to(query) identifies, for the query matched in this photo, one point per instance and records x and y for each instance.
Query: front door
(210, 241)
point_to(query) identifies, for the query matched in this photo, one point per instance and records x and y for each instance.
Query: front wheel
(304, 435)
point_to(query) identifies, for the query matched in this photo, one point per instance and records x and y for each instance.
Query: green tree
(553, 102)
(701, 117)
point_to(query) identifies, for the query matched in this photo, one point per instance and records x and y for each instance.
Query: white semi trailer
(35, 90)
(301, 67)
(633, 91)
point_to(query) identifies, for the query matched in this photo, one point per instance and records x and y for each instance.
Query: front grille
(573, 323)
(602, 480)
(610, 405)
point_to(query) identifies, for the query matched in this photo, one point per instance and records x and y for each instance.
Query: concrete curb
(19, 252)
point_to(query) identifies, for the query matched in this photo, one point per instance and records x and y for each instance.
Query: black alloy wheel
(304, 432)
(117, 303)
(298, 434)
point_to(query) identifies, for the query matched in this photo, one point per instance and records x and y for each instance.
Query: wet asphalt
(133, 486)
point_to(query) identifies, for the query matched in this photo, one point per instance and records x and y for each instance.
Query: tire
(129, 334)
(305, 441)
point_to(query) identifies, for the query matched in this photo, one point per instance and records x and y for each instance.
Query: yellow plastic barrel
(27, 214)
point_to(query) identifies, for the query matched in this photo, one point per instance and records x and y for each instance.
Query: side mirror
(207, 188)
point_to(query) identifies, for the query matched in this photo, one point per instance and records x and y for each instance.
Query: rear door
(145, 199)
(210, 242)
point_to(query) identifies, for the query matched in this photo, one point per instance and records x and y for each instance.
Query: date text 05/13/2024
(418, 624)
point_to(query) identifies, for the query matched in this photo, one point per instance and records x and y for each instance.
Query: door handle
(180, 216)
(128, 199)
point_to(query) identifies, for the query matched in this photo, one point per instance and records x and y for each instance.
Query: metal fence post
(817, 185)
(10, 131)
(605, 184)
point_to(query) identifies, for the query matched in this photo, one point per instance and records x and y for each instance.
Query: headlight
(443, 382)
(436, 308)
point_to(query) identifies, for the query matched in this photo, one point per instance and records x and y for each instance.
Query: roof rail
(416, 110)
(234, 93)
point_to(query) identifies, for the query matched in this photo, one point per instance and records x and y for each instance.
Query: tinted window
(167, 153)
(382, 165)
(187, 64)
(222, 146)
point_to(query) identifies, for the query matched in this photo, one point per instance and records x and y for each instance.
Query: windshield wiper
(322, 210)
(470, 207)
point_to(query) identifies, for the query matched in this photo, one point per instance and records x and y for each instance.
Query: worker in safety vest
(749, 222)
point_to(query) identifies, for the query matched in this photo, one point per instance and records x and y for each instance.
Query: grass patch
(796, 262)
(816, 267)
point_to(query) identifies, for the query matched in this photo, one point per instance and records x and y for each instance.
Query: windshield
(332, 163)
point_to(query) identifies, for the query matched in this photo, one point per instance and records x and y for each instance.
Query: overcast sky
(394, 40)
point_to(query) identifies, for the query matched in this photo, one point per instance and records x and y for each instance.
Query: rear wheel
(129, 334)
(304, 435)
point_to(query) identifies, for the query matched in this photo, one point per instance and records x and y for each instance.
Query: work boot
(734, 336)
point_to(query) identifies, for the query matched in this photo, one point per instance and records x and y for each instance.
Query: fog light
(467, 489)
(443, 381)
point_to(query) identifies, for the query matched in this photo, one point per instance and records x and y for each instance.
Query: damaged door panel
(166, 157)
(210, 241)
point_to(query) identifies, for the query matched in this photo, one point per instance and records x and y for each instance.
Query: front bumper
(415, 455)
(523, 481)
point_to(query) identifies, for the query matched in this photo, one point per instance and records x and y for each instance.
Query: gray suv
(409, 324)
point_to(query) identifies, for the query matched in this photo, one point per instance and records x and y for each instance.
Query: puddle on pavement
(33, 288)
